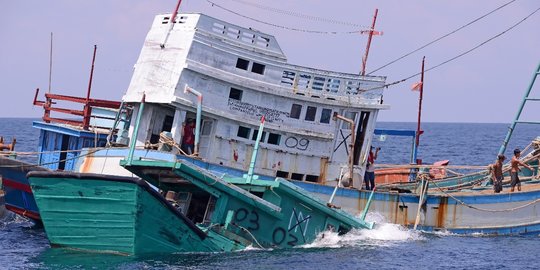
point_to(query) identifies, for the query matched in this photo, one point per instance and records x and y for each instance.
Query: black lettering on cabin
(300, 144)
(270, 115)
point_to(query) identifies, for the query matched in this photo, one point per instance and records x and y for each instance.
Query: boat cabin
(229, 77)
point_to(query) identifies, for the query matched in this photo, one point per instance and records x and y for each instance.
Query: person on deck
(515, 169)
(497, 174)
(188, 137)
(369, 176)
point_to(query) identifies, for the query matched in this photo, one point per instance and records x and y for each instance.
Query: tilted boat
(241, 74)
(126, 215)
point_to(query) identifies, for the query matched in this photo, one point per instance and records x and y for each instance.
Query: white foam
(382, 234)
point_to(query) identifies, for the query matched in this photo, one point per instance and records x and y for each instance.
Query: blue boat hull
(18, 194)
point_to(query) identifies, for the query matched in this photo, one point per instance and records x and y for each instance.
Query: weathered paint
(118, 214)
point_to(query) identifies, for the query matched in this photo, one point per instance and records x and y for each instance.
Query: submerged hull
(125, 215)
(114, 214)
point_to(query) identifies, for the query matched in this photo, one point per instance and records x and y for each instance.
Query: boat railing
(94, 112)
(314, 82)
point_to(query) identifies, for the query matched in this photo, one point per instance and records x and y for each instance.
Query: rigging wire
(443, 36)
(461, 54)
(301, 15)
(282, 26)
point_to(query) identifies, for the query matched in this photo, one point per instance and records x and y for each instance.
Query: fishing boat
(319, 122)
(207, 214)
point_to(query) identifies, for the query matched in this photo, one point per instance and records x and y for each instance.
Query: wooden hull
(18, 194)
(463, 212)
(114, 214)
(125, 215)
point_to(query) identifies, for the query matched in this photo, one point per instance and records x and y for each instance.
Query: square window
(296, 109)
(255, 133)
(243, 132)
(310, 113)
(235, 94)
(257, 68)
(312, 178)
(206, 128)
(326, 114)
(274, 138)
(350, 115)
(242, 64)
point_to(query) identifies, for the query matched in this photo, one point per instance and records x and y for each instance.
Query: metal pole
(198, 117)
(513, 125)
(418, 130)
(255, 150)
(371, 32)
(351, 153)
(87, 109)
(135, 132)
(171, 24)
(50, 62)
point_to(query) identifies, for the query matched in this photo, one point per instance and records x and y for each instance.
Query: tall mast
(50, 63)
(371, 32)
(419, 131)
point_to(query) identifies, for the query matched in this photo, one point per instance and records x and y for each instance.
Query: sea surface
(389, 246)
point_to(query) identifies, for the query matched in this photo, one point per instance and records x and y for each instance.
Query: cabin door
(343, 139)
(205, 141)
(360, 136)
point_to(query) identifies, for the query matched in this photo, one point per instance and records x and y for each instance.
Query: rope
(301, 15)
(252, 236)
(284, 27)
(442, 37)
(49, 163)
(484, 209)
(169, 141)
(457, 56)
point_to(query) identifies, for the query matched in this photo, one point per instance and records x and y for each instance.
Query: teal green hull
(113, 214)
(125, 215)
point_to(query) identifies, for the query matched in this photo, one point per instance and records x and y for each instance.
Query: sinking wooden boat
(207, 213)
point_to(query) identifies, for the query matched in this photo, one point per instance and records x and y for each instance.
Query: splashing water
(382, 234)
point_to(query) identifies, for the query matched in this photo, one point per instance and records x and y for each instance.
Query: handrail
(86, 112)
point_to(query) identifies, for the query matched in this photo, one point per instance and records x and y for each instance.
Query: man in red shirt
(369, 176)
(188, 137)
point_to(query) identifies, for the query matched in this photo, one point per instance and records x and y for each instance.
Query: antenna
(50, 62)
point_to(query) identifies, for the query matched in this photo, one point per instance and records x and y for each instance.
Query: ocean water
(389, 246)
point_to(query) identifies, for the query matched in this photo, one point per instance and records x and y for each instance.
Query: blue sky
(484, 86)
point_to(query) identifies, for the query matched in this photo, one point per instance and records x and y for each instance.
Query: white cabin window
(257, 68)
(256, 132)
(236, 93)
(206, 127)
(326, 114)
(243, 132)
(310, 113)
(318, 83)
(296, 110)
(274, 138)
(242, 64)
(350, 115)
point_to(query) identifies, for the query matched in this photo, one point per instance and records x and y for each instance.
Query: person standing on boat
(188, 137)
(497, 174)
(369, 176)
(515, 169)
